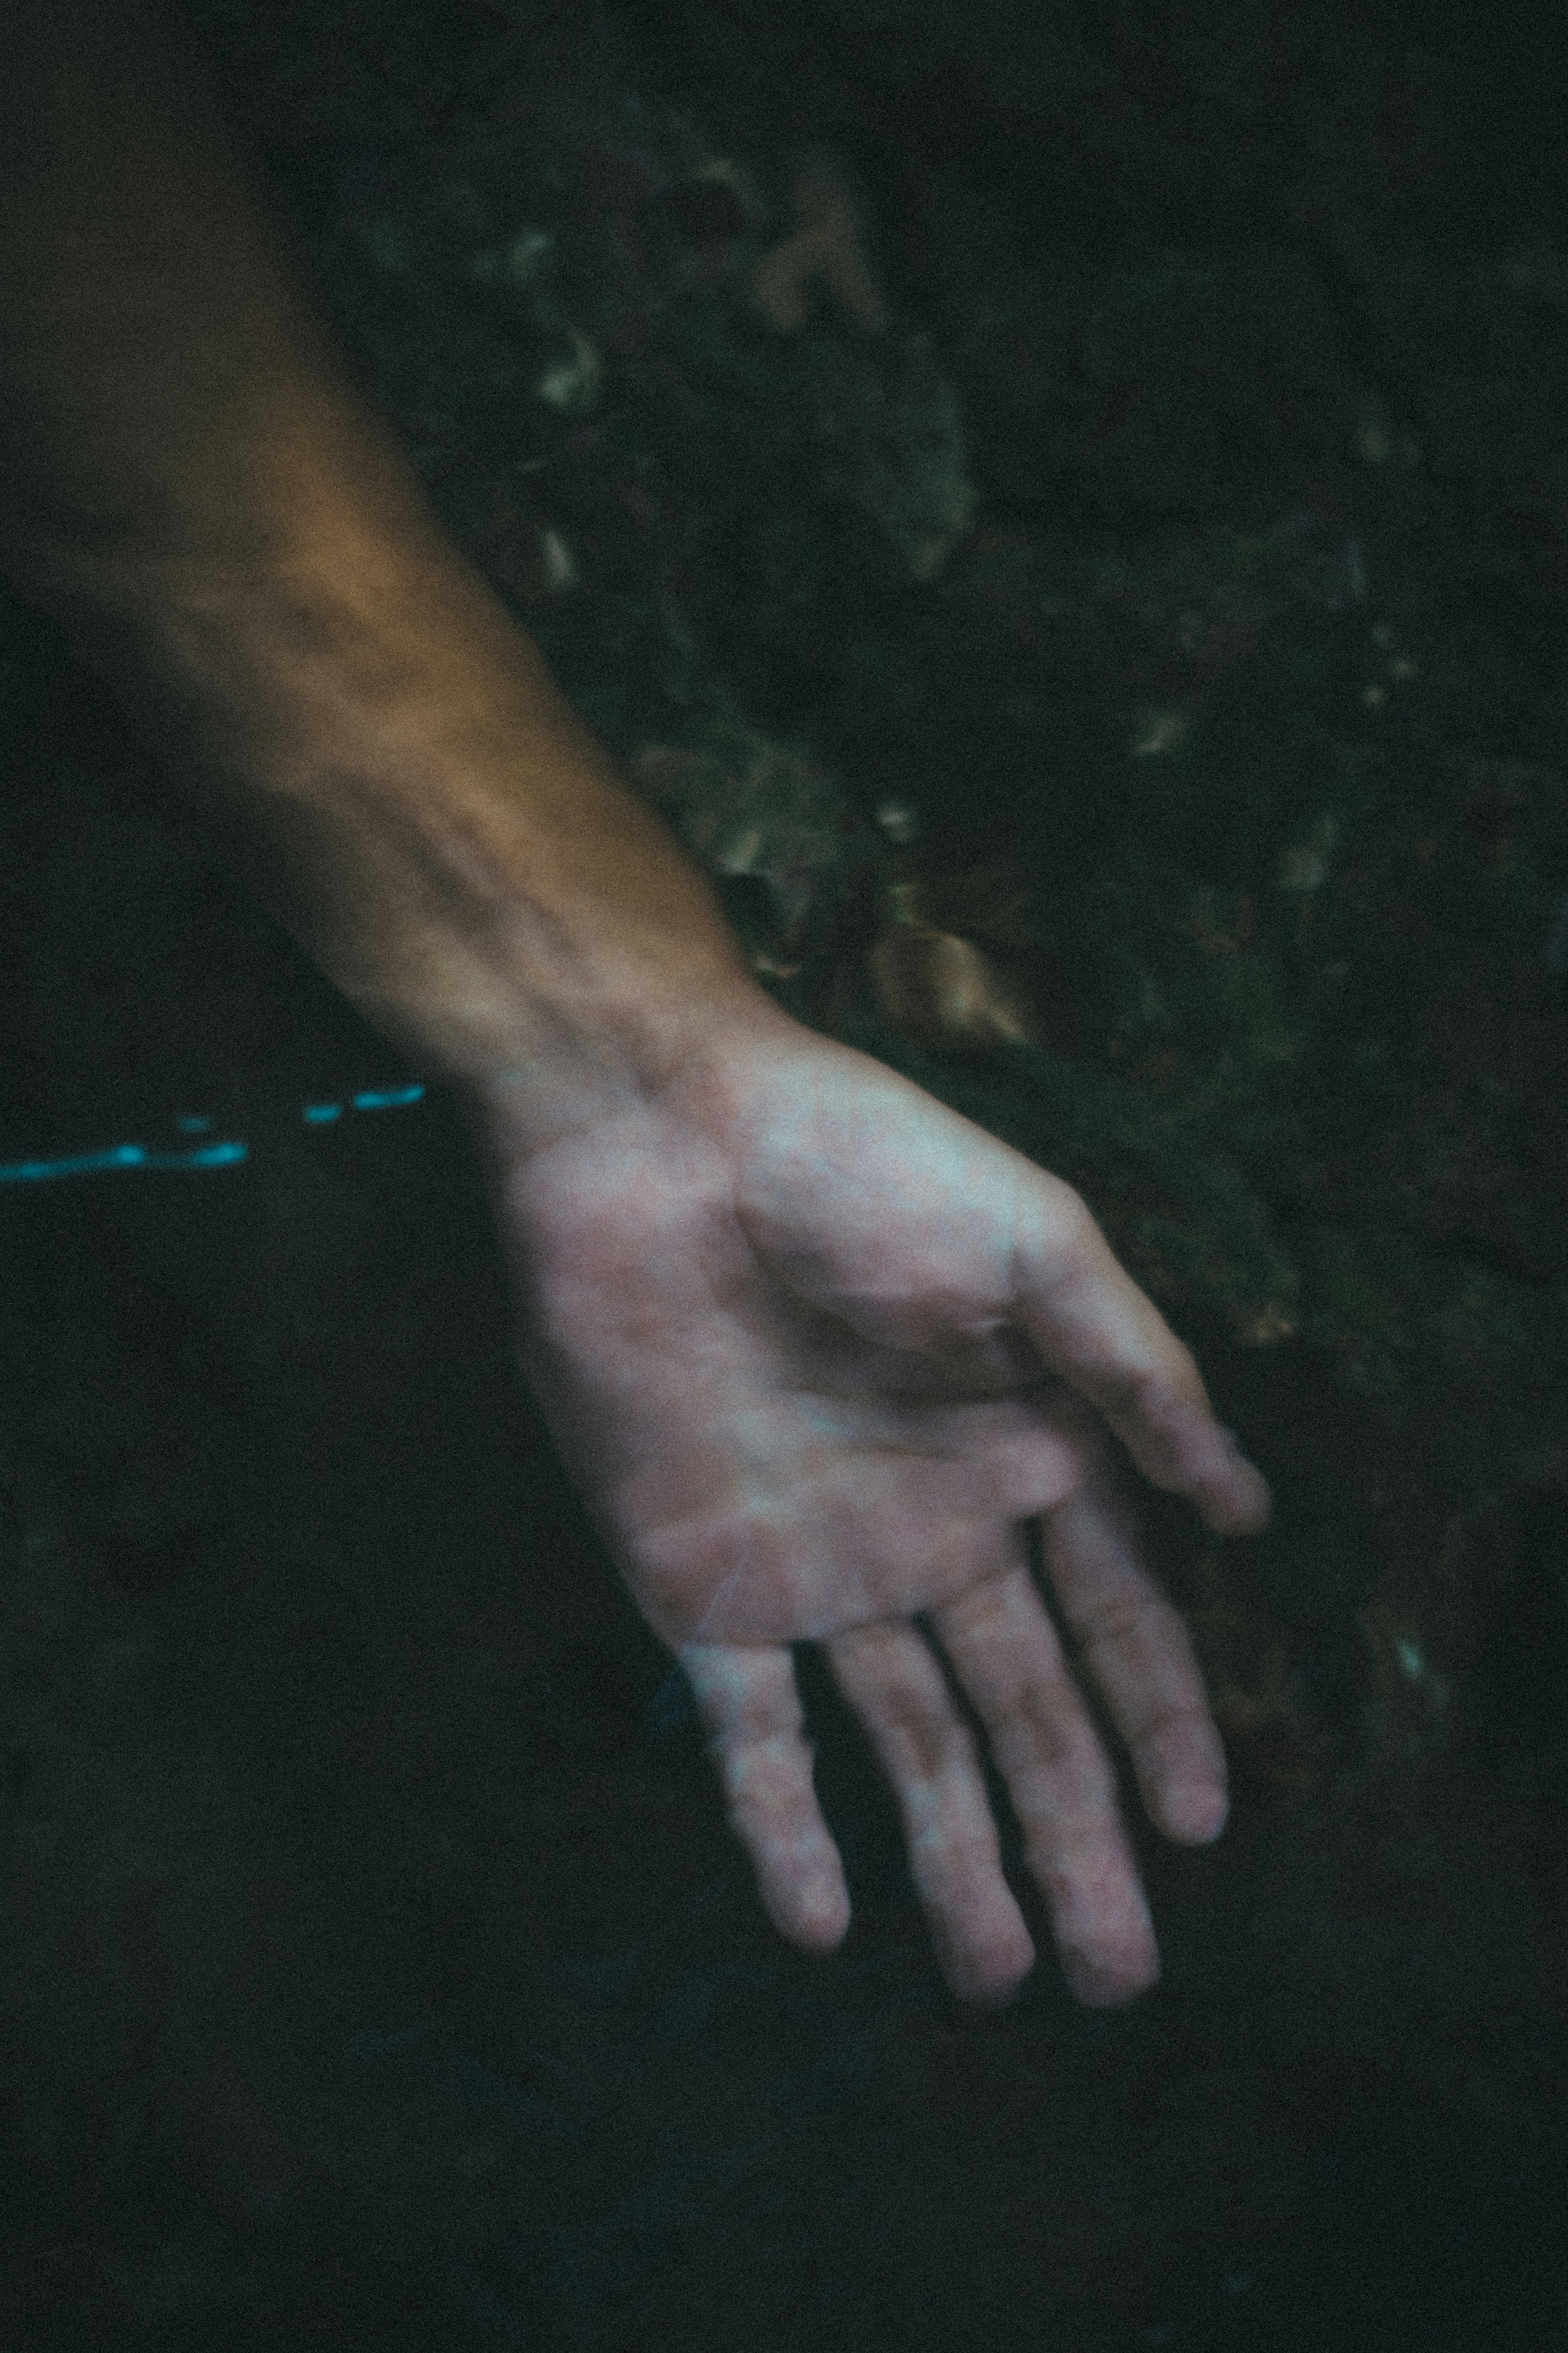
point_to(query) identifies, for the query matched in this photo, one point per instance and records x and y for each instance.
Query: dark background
(376, 1968)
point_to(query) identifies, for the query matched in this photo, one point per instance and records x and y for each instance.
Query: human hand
(814, 1349)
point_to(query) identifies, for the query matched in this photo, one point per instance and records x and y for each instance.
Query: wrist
(388, 764)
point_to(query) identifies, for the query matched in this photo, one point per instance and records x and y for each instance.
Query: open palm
(816, 1349)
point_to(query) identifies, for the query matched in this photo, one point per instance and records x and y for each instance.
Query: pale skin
(816, 1349)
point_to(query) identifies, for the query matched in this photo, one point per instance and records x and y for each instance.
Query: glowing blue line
(210, 1155)
(205, 1156)
(26, 1172)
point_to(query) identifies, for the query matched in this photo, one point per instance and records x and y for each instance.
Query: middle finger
(889, 1673)
(1007, 1656)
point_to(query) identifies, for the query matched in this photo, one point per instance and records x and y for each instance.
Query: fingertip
(993, 1984)
(1243, 1506)
(1099, 1987)
(1193, 1812)
(822, 1925)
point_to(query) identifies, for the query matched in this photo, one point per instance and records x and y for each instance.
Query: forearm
(170, 394)
(192, 483)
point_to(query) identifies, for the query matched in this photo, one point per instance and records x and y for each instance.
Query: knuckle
(925, 1742)
(1062, 1768)
(1120, 1619)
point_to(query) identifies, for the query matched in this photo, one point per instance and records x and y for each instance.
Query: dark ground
(1191, 563)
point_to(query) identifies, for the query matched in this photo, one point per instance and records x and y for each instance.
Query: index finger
(1092, 1326)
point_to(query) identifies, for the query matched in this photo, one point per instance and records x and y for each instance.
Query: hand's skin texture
(814, 1349)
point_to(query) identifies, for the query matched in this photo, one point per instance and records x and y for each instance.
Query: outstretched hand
(814, 1349)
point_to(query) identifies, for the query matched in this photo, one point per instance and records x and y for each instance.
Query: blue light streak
(226, 1154)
